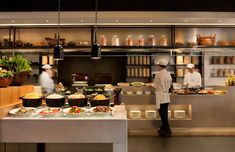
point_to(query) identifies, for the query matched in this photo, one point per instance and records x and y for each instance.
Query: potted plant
(19, 65)
(5, 77)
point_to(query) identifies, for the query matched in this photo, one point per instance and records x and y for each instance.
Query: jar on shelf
(228, 60)
(233, 59)
(129, 60)
(152, 40)
(221, 60)
(214, 73)
(115, 40)
(214, 60)
(141, 60)
(220, 72)
(226, 72)
(140, 41)
(163, 40)
(103, 40)
(129, 40)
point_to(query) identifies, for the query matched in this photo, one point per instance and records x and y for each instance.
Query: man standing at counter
(162, 83)
(45, 79)
(192, 79)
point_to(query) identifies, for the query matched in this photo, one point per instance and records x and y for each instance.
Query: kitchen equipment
(56, 102)
(31, 102)
(140, 41)
(95, 103)
(206, 40)
(79, 102)
(163, 40)
(135, 114)
(152, 40)
(179, 114)
(103, 40)
(150, 114)
(129, 40)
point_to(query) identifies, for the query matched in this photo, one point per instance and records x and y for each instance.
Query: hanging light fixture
(95, 48)
(58, 49)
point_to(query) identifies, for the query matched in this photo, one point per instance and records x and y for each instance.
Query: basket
(53, 42)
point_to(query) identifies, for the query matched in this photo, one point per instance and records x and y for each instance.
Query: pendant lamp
(95, 48)
(58, 49)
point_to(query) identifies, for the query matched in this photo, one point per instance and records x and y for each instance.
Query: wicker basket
(53, 42)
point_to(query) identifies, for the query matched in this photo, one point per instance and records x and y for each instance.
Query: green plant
(16, 64)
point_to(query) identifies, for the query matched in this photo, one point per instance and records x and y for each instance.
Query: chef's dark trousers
(163, 111)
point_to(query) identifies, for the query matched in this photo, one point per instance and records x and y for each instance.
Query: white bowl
(129, 92)
(147, 92)
(139, 92)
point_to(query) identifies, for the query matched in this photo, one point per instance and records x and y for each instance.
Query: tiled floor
(182, 144)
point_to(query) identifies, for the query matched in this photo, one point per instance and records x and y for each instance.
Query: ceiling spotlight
(151, 21)
(185, 20)
(47, 21)
(12, 21)
(219, 21)
(82, 20)
(116, 20)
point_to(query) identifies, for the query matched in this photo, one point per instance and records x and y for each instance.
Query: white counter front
(109, 129)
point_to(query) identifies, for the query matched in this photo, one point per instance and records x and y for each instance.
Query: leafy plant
(16, 64)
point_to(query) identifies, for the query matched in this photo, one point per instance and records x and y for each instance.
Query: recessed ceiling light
(47, 21)
(151, 21)
(82, 20)
(12, 21)
(185, 20)
(219, 21)
(116, 20)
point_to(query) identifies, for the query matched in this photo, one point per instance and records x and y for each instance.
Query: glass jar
(163, 40)
(129, 40)
(140, 41)
(152, 40)
(103, 40)
(115, 40)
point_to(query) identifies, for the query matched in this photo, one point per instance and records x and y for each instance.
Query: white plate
(14, 111)
(49, 114)
(66, 111)
(102, 113)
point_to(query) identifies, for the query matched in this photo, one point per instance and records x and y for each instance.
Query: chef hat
(190, 65)
(46, 66)
(162, 62)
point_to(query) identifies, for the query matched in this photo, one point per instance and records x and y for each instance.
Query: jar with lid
(152, 40)
(103, 40)
(163, 40)
(129, 40)
(115, 40)
(140, 41)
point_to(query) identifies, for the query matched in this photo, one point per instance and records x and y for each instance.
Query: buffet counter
(60, 129)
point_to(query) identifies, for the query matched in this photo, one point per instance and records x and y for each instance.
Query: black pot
(55, 102)
(31, 102)
(95, 103)
(81, 102)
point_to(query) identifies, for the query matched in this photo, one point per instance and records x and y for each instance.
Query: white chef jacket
(162, 83)
(46, 82)
(192, 80)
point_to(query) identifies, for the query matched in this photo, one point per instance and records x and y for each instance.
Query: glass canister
(152, 40)
(163, 40)
(129, 40)
(115, 40)
(103, 40)
(140, 41)
(228, 60)
(221, 60)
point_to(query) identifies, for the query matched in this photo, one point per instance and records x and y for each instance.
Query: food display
(76, 96)
(123, 84)
(32, 99)
(90, 90)
(202, 92)
(22, 111)
(99, 97)
(75, 109)
(184, 92)
(32, 95)
(48, 111)
(60, 87)
(135, 114)
(137, 84)
(199, 91)
(55, 100)
(102, 109)
(100, 100)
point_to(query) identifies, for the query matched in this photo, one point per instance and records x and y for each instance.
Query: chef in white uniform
(162, 83)
(45, 79)
(192, 79)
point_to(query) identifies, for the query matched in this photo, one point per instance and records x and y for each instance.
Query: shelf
(223, 64)
(138, 65)
(204, 46)
(144, 119)
(139, 77)
(218, 77)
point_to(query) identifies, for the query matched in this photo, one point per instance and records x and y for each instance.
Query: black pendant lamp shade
(95, 48)
(58, 49)
(58, 52)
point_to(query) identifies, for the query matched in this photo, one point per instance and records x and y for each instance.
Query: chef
(45, 79)
(192, 79)
(162, 83)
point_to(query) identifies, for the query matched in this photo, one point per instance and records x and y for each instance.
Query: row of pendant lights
(58, 52)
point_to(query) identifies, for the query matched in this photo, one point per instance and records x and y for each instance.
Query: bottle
(103, 40)
(140, 41)
(129, 40)
(163, 40)
(152, 40)
(115, 40)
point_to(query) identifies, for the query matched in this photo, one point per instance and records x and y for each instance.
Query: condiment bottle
(140, 41)
(115, 40)
(103, 40)
(129, 40)
(152, 40)
(163, 40)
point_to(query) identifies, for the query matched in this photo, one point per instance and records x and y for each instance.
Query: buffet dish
(32, 100)
(198, 92)
(79, 100)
